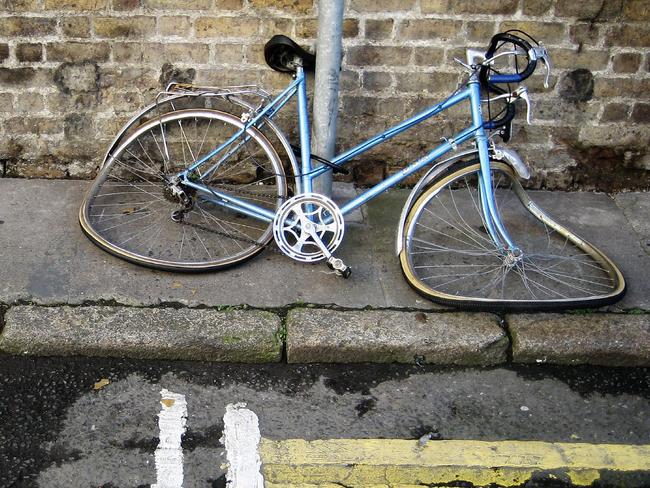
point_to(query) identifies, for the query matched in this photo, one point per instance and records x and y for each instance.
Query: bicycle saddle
(280, 54)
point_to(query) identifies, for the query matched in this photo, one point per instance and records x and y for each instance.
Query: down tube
(408, 171)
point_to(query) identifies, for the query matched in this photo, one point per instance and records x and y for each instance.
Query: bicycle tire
(127, 210)
(448, 256)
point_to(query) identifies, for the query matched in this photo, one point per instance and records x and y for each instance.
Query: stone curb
(143, 333)
(327, 336)
(320, 335)
(604, 339)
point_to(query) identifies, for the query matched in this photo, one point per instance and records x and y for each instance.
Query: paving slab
(47, 260)
(605, 339)
(144, 333)
(383, 336)
(596, 218)
(636, 208)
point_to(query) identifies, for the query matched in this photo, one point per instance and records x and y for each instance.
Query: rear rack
(250, 97)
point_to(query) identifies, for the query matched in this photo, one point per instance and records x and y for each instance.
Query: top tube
(396, 130)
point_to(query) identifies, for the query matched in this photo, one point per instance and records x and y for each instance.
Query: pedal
(339, 266)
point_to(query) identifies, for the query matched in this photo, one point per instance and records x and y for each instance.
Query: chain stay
(233, 236)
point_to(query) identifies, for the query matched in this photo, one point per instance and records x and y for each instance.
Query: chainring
(299, 214)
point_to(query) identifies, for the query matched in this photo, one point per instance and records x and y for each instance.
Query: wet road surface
(58, 431)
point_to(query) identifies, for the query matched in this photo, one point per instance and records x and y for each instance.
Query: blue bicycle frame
(477, 131)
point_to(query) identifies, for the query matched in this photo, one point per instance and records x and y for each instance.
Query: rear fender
(134, 122)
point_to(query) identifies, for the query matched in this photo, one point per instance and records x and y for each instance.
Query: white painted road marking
(241, 436)
(169, 453)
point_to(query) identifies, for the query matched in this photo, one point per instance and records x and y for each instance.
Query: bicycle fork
(490, 212)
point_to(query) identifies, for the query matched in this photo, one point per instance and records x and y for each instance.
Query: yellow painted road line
(402, 463)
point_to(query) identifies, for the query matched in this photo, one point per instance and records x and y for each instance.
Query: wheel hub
(513, 257)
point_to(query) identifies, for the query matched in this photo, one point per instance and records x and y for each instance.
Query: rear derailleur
(175, 193)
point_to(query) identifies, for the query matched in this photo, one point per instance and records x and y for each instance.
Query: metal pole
(326, 86)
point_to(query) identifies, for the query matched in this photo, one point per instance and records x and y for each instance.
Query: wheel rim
(128, 210)
(449, 256)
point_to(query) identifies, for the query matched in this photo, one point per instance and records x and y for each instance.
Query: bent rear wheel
(449, 257)
(137, 211)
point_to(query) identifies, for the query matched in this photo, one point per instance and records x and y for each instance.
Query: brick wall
(71, 72)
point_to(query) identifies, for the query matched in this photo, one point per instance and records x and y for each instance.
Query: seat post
(303, 122)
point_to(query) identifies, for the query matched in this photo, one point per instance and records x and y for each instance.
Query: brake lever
(522, 92)
(541, 54)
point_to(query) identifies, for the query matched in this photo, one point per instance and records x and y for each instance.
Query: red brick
(591, 10)
(500, 7)
(626, 62)
(286, 6)
(77, 5)
(628, 35)
(546, 32)
(381, 5)
(636, 10)
(77, 51)
(246, 27)
(29, 52)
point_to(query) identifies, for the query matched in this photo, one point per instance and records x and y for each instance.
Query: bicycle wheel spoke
(450, 256)
(141, 210)
(483, 238)
(224, 226)
(458, 238)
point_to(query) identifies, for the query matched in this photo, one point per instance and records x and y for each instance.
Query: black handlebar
(489, 81)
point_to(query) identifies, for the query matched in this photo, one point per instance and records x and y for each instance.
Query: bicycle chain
(225, 234)
(232, 236)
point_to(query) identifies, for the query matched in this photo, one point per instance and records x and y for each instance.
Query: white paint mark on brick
(169, 453)
(241, 436)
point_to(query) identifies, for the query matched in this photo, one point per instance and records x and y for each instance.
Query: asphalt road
(58, 431)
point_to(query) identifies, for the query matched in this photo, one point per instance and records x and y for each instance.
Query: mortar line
(505, 326)
(3, 312)
(283, 309)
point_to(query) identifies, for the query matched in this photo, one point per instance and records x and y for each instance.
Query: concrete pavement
(54, 282)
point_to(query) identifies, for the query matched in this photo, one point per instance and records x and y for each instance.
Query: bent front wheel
(137, 211)
(449, 257)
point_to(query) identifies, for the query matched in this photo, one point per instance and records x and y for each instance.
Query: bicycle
(193, 188)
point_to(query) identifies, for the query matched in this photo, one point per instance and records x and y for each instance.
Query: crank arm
(311, 230)
(334, 263)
